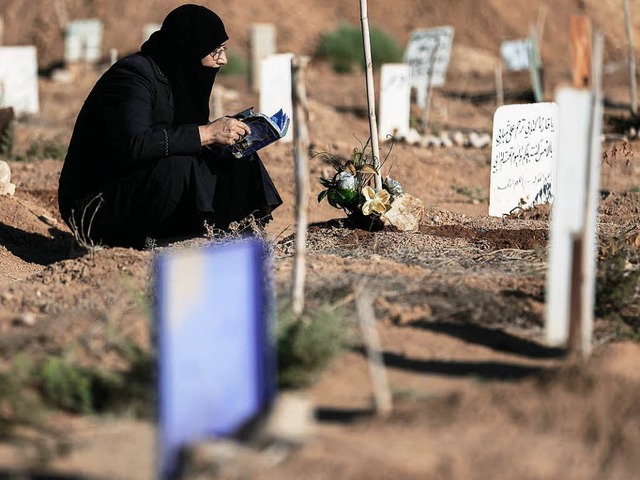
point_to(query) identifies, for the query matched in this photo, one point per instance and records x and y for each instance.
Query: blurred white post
(632, 59)
(371, 95)
(572, 260)
(366, 316)
(301, 152)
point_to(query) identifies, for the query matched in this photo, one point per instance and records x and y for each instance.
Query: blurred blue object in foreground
(215, 355)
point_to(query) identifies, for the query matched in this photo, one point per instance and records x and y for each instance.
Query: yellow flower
(375, 202)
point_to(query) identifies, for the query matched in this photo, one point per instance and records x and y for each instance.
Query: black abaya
(135, 167)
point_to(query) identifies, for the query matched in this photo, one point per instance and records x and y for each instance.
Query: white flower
(375, 202)
(345, 181)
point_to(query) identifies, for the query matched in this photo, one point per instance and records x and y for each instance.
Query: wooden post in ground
(1, 31)
(371, 95)
(535, 65)
(301, 152)
(631, 58)
(499, 87)
(580, 26)
(366, 316)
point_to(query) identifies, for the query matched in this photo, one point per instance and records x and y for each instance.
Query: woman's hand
(223, 131)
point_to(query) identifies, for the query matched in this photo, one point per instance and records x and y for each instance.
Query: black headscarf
(187, 35)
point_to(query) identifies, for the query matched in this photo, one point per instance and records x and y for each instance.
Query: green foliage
(618, 282)
(7, 140)
(307, 344)
(236, 65)
(474, 194)
(46, 148)
(343, 48)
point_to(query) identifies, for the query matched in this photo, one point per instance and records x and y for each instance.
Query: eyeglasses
(217, 53)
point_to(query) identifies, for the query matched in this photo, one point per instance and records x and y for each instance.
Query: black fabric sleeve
(128, 99)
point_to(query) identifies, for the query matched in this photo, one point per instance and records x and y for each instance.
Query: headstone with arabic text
(523, 157)
(428, 53)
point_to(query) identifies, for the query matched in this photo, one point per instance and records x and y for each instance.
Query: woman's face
(217, 58)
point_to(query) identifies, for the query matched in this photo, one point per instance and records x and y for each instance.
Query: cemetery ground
(459, 306)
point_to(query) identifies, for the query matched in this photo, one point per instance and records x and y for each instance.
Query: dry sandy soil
(459, 303)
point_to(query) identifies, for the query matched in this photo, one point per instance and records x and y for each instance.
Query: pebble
(26, 319)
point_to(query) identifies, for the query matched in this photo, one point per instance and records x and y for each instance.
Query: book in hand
(264, 131)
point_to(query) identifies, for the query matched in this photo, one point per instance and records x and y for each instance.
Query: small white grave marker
(275, 88)
(83, 41)
(149, 29)
(263, 45)
(395, 100)
(428, 54)
(515, 54)
(523, 157)
(19, 79)
(215, 354)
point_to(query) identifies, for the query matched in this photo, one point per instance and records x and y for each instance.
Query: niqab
(188, 34)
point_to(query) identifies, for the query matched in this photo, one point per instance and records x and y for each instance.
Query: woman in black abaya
(144, 161)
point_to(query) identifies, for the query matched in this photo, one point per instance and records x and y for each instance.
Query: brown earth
(459, 303)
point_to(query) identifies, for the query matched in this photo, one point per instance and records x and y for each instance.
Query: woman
(144, 161)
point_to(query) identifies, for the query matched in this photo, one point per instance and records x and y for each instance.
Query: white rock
(446, 140)
(26, 319)
(458, 139)
(406, 213)
(291, 420)
(5, 172)
(479, 141)
(433, 141)
(63, 76)
(413, 137)
(7, 189)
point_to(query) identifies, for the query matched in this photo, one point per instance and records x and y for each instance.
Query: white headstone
(579, 149)
(516, 54)
(263, 44)
(149, 29)
(523, 157)
(19, 79)
(275, 87)
(395, 100)
(428, 54)
(83, 42)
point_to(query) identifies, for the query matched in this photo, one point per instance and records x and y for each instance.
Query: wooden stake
(499, 87)
(1, 31)
(301, 149)
(589, 264)
(371, 95)
(631, 58)
(580, 26)
(366, 316)
(60, 8)
(429, 88)
(535, 65)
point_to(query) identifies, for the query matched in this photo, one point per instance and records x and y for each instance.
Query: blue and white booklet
(264, 131)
